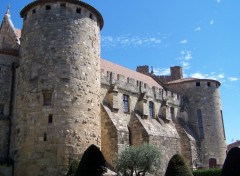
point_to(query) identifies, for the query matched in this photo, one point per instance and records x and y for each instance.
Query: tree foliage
(138, 160)
(231, 166)
(92, 163)
(73, 168)
(178, 167)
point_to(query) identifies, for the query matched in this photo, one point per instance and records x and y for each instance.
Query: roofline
(87, 6)
(193, 80)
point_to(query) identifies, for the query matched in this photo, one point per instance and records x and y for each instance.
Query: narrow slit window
(172, 113)
(125, 103)
(200, 124)
(50, 118)
(151, 109)
(78, 10)
(1, 109)
(45, 137)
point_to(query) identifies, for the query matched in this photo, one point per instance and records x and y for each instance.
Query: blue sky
(200, 35)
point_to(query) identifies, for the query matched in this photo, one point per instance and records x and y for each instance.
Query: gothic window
(125, 103)
(50, 118)
(1, 109)
(47, 98)
(200, 124)
(151, 109)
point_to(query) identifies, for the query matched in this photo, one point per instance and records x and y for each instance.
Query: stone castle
(58, 97)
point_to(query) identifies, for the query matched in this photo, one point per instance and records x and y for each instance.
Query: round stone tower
(57, 114)
(203, 105)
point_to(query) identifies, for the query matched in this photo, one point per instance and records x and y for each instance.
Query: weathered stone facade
(58, 97)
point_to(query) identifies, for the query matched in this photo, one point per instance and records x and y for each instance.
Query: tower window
(151, 109)
(45, 137)
(78, 10)
(50, 118)
(208, 84)
(200, 124)
(125, 103)
(47, 98)
(48, 7)
(33, 11)
(1, 109)
(172, 113)
(197, 84)
(91, 16)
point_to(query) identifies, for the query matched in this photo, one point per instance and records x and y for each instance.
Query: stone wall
(57, 115)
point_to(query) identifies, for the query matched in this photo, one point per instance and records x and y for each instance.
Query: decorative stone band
(25, 10)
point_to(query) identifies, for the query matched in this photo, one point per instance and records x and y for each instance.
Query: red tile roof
(128, 73)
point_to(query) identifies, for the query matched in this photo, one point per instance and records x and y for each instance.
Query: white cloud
(161, 71)
(185, 65)
(212, 75)
(233, 79)
(186, 55)
(147, 40)
(197, 29)
(183, 41)
(211, 22)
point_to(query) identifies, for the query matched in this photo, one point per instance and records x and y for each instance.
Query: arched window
(151, 109)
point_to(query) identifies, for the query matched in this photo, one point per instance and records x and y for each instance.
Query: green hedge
(209, 172)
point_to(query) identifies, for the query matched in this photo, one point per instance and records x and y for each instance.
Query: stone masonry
(58, 97)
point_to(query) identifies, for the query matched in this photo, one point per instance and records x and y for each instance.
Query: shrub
(138, 160)
(231, 166)
(208, 172)
(177, 167)
(73, 168)
(92, 163)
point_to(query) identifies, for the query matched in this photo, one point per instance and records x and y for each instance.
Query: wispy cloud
(197, 29)
(183, 41)
(218, 1)
(155, 40)
(211, 75)
(161, 71)
(233, 79)
(211, 22)
(185, 57)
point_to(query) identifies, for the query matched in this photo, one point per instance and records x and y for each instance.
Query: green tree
(231, 166)
(178, 167)
(138, 160)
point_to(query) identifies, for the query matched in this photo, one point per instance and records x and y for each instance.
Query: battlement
(138, 87)
(63, 8)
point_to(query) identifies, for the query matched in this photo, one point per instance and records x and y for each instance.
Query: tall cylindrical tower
(203, 104)
(57, 114)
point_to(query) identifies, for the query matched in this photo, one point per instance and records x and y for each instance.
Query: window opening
(1, 109)
(78, 10)
(151, 109)
(197, 84)
(50, 118)
(91, 16)
(45, 137)
(125, 103)
(33, 11)
(47, 98)
(63, 5)
(172, 113)
(208, 84)
(48, 7)
(200, 124)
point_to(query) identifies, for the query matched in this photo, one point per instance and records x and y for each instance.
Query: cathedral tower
(57, 114)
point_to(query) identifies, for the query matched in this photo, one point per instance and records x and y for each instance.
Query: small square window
(208, 84)
(47, 98)
(91, 16)
(197, 84)
(50, 118)
(33, 11)
(78, 10)
(48, 7)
